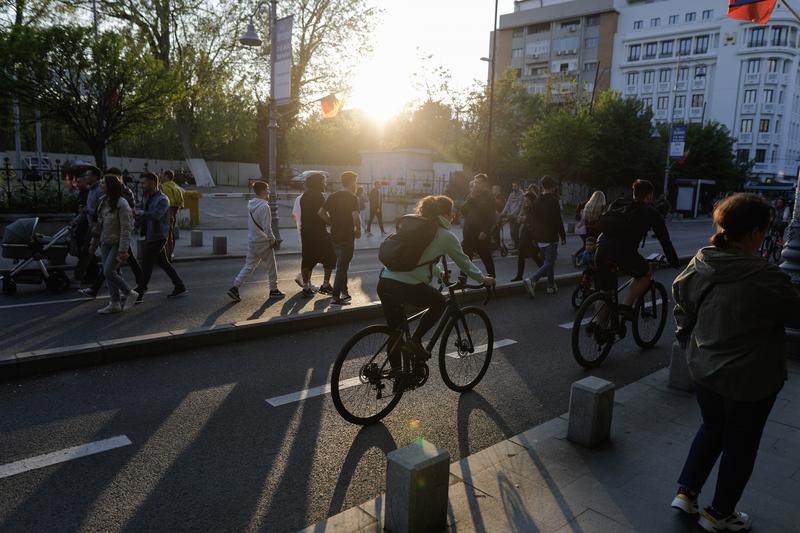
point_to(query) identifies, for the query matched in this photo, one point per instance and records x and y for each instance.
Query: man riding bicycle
(623, 227)
(399, 287)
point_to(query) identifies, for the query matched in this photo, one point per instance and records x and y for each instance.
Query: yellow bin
(191, 201)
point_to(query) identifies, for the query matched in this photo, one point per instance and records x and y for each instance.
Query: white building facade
(691, 63)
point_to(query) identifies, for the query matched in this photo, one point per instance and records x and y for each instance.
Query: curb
(279, 253)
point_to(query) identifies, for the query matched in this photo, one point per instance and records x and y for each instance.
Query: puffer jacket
(731, 309)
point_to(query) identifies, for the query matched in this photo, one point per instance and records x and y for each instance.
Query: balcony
(695, 112)
(773, 77)
(631, 89)
(699, 84)
(664, 87)
(661, 114)
(647, 88)
(768, 109)
(748, 109)
(678, 112)
(745, 138)
(752, 78)
(681, 85)
(764, 138)
(536, 58)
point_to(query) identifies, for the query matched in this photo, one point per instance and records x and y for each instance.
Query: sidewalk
(538, 481)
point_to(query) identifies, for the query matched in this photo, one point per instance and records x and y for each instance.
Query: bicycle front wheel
(651, 315)
(466, 349)
(361, 388)
(592, 332)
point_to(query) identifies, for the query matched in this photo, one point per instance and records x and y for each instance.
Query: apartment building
(565, 45)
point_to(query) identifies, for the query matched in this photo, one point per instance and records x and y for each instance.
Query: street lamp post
(251, 38)
(492, 62)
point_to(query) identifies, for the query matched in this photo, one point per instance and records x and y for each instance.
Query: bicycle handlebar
(472, 286)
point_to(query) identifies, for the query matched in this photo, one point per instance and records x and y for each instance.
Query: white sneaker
(684, 502)
(112, 307)
(737, 521)
(530, 286)
(130, 300)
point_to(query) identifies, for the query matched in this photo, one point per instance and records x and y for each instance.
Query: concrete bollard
(197, 238)
(679, 377)
(591, 404)
(219, 245)
(417, 481)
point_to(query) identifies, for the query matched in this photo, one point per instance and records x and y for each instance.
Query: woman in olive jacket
(731, 309)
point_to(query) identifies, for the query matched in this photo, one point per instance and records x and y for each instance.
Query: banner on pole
(677, 141)
(283, 60)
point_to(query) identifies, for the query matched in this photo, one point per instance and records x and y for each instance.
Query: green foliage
(561, 144)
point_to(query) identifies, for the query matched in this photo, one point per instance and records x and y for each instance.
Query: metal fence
(25, 190)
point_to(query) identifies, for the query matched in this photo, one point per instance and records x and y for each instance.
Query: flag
(331, 106)
(751, 10)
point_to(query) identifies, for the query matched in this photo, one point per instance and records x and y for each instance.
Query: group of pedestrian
(108, 220)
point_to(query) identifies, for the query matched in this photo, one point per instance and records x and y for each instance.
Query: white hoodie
(259, 214)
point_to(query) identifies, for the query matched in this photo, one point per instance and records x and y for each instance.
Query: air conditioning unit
(573, 51)
(560, 53)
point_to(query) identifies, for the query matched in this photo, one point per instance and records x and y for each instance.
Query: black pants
(133, 264)
(372, 214)
(731, 429)
(155, 252)
(527, 250)
(483, 248)
(344, 254)
(397, 296)
(514, 226)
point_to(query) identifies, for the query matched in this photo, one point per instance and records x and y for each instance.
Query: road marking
(61, 456)
(569, 325)
(65, 300)
(352, 382)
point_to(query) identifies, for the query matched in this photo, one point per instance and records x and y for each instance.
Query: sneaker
(626, 312)
(299, 280)
(325, 288)
(736, 521)
(309, 290)
(178, 292)
(551, 290)
(340, 301)
(89, 293)
(233, 292)
(112, 307)
(686, 501)
(130, 300)
(346, 296)
(368, 234)
(530, 286)
(275, 294)
(140, 298)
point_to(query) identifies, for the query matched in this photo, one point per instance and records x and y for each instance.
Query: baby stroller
(497, 240)
(22, 244)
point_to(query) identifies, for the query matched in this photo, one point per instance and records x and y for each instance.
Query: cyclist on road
(397, 289)
(623, 227)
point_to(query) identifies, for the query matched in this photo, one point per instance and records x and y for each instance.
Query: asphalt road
(208, 453)
(36, 319)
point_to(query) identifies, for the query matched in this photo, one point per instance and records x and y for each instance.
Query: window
(664, 75)
(568, 43)
(769, 96)
(673, 19)
(516, 53)
(685, 46)
(538, 28)
(633, 78)
(700, 71)
(750, 96)
(537, 71)
(777, 125)
(570, 24)
(747, 125)
(634, 51)
(590, 66)
(666, 48)
(591, 42)
(763, 125)
(707, 14)
(655, 22)
(647, 102)
(772, 64)
(697, 100)
(680, 101)
(593, 20)
(780, 36)
(519, 32)
(689, 17)
(753, 66)
(637, 25)
(742, 155)
(701, 45)
(683, 73)
(650, 50)
(761, 155)
(564, 67)
(780, 96)
(757, 38)
(649, 75)
(663, 102)
(536, 48)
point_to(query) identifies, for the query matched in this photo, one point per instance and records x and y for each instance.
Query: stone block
(196, 238)
(219, 245)
(591, 405)
(417, 481)
(679, 377)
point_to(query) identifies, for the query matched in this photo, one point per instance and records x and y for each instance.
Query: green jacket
(445, 243)
(735, 340)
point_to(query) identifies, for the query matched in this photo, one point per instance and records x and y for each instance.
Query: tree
(101, 87)
(561, 144)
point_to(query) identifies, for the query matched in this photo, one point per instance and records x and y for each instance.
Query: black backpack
(401, 251)
(620, 220)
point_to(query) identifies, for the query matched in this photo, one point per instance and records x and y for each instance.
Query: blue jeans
(116, 284)
(549, 267)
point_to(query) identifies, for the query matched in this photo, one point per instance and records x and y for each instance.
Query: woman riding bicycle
(398, 289)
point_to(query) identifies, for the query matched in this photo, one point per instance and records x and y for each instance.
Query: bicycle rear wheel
(466, 349)
(651, 315)
(360, 386)
(592, 334)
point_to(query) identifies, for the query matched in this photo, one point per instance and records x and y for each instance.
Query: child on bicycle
(586, 262)
(397, 289)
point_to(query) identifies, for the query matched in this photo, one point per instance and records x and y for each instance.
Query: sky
(455, 32)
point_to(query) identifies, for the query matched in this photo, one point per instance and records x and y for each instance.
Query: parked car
(297, 183)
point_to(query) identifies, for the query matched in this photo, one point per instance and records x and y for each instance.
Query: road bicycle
(772, 246)
(598, 324)
(364, 386)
